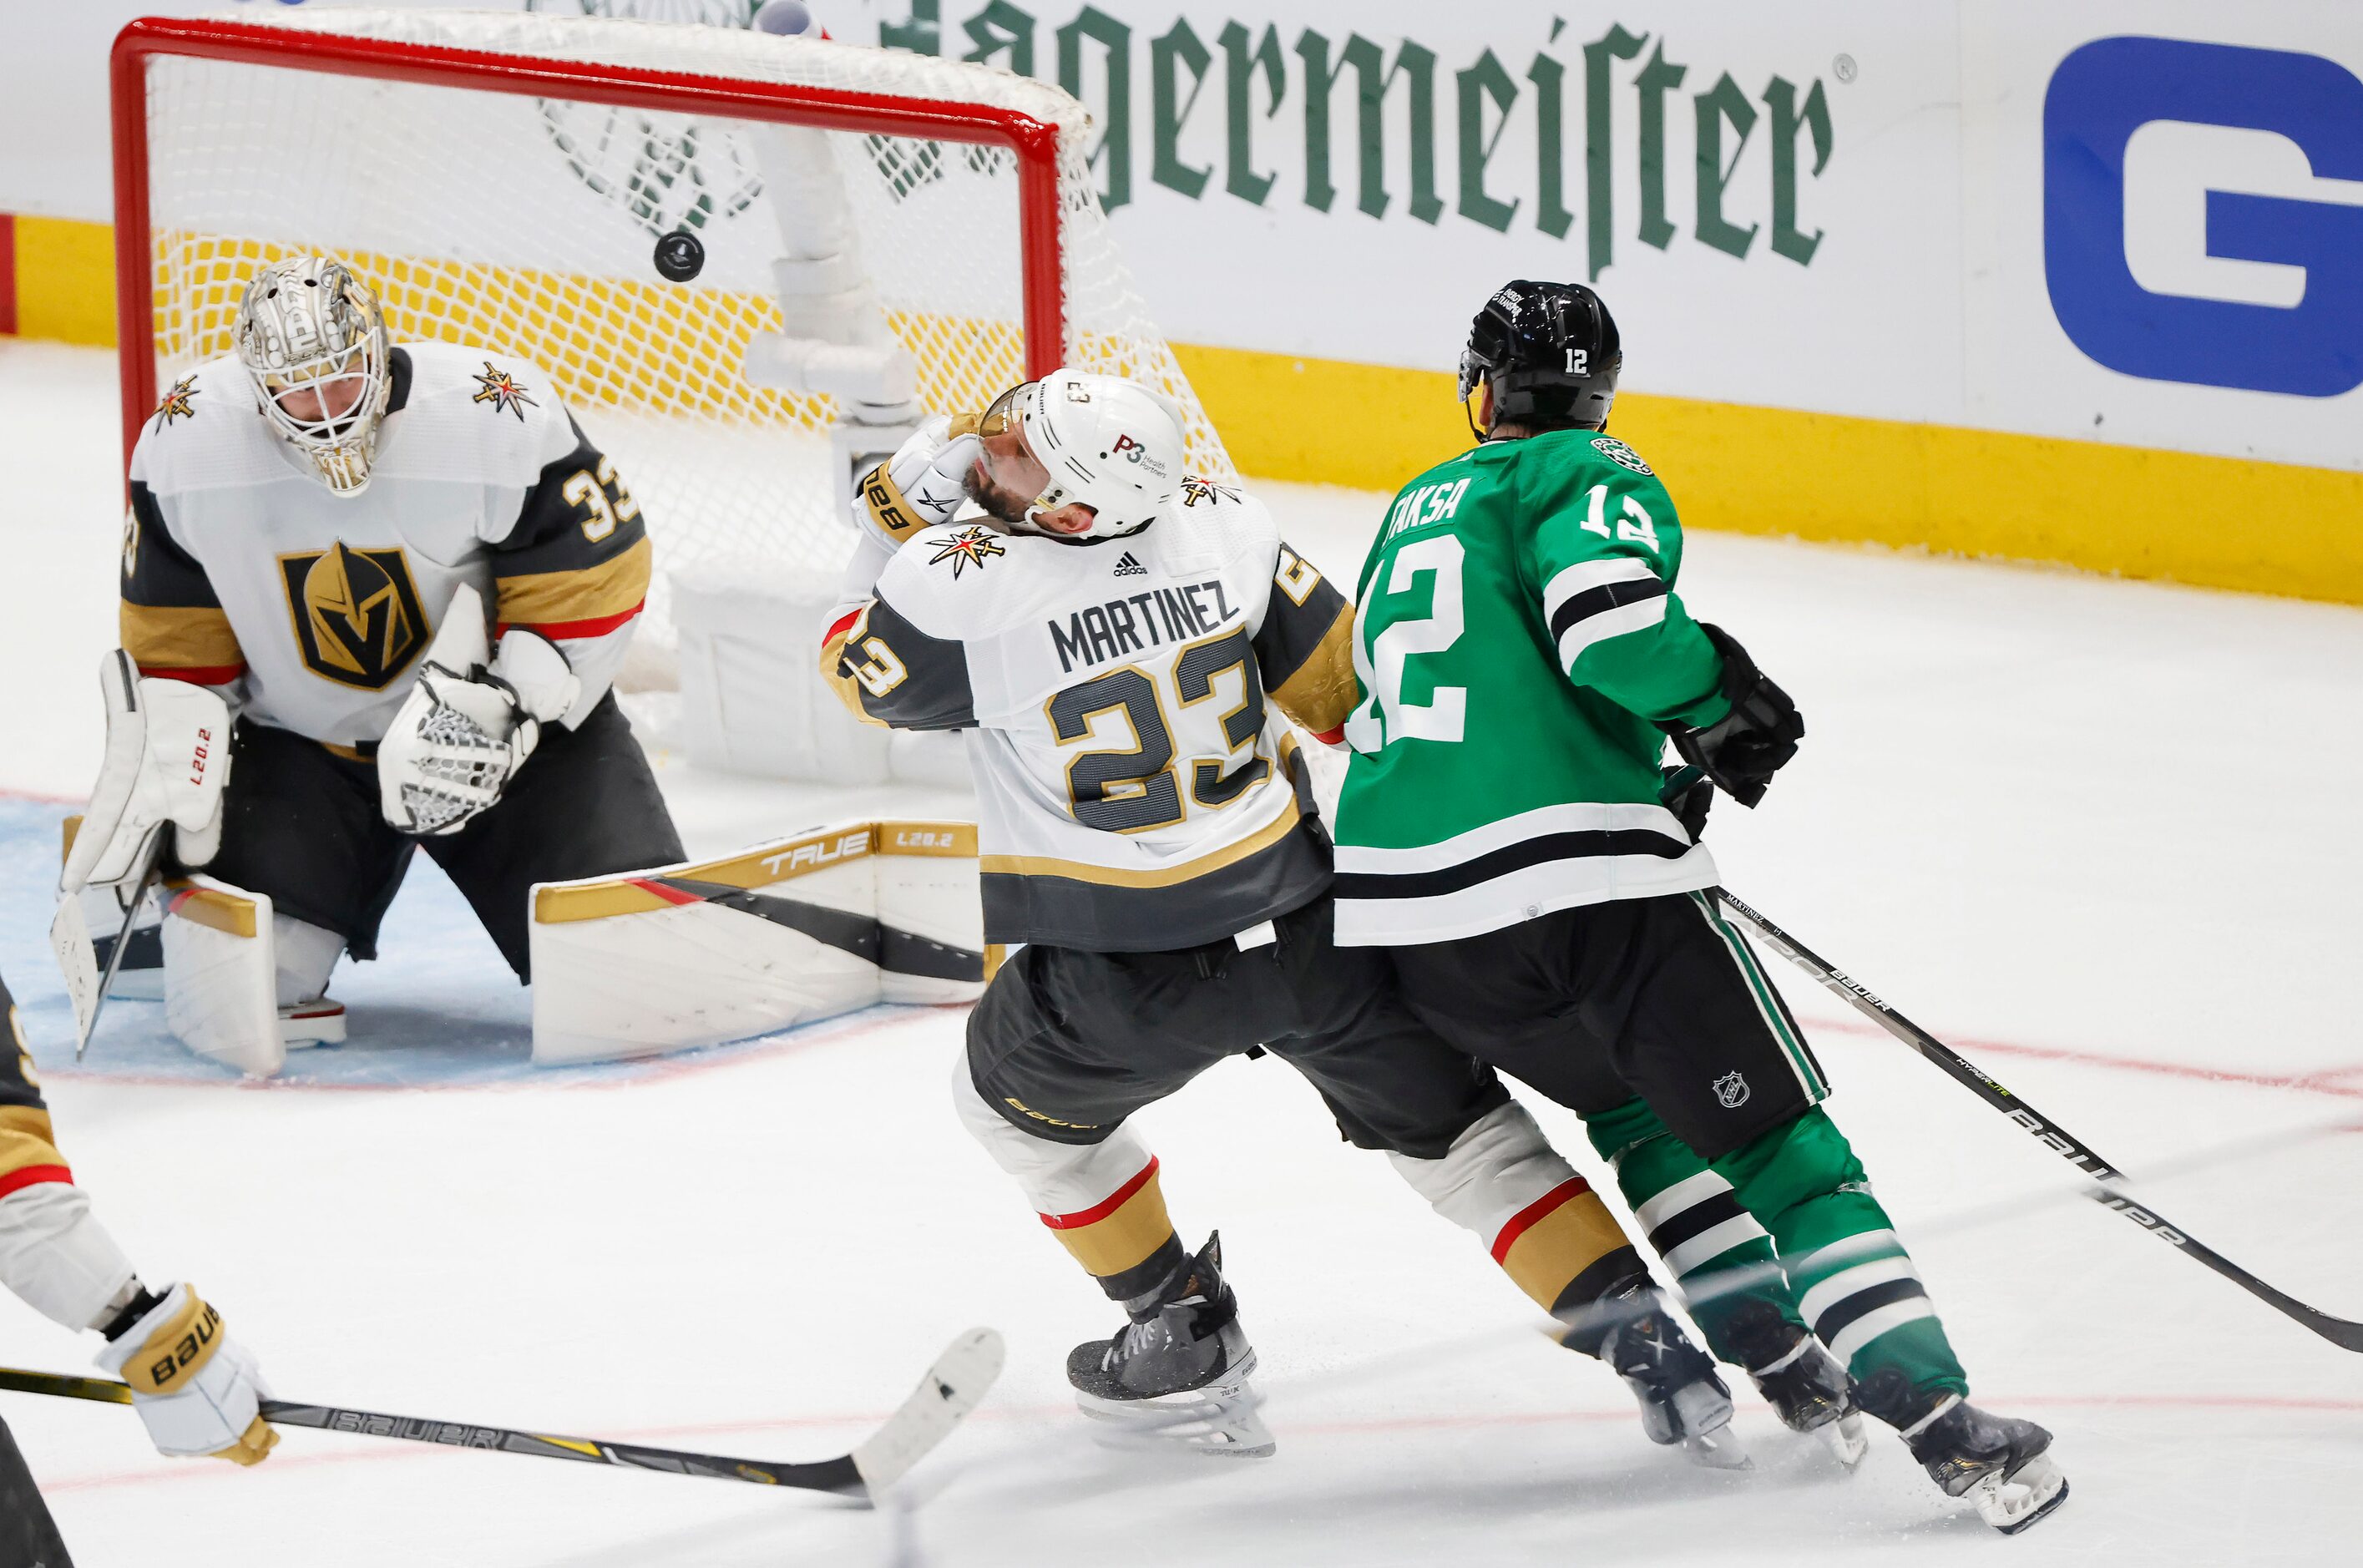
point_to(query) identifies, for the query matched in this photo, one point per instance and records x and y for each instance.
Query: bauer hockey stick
(950, 1391)
(2339, 1331)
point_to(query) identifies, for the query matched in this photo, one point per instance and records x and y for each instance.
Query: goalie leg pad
(782, 934)
(221, 976)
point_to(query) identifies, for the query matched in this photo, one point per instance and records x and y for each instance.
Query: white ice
(2102, 835)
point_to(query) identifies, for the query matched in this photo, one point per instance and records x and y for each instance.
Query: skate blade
(1716, 1449)
(2011, 1504)
(1219, 1422)
(1847, 1439)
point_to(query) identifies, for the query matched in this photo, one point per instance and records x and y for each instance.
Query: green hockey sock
(1853, 1282)
(1719, 1256)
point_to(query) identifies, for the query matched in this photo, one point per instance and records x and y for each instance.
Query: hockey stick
(950, 1391)
(69, 940)
(2339, 1331)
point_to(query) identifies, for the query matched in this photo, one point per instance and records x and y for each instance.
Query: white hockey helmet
(1110, 444)
(310, 334)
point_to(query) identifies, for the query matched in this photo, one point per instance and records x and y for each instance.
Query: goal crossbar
(1034, 143)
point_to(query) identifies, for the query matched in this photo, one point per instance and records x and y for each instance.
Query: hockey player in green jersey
(1522, 660)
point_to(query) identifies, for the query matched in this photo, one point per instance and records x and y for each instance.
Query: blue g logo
(2099, 97)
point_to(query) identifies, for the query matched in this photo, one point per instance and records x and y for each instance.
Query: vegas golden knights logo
(356, 613)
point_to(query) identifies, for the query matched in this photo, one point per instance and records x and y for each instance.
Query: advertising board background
(1853, 245)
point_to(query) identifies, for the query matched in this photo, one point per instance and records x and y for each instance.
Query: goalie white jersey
(1134, 793)
(242, 571)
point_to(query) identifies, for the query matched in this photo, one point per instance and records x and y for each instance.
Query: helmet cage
(310, 330)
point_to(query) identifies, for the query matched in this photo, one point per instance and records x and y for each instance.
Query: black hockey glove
(1755, 740)
(1688, 792)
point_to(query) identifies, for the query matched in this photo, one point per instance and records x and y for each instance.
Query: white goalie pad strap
(782, 934)
(167, 760)
(220, 975)
(57, 1257)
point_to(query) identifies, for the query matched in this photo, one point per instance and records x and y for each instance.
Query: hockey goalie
(397, 581)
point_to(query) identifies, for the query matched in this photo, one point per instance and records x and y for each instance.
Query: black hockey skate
(1682, 1400)
(1805, 1383)
(1178, 1373)
(2003, 1466)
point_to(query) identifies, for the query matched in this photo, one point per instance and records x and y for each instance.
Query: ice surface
(2100, 835)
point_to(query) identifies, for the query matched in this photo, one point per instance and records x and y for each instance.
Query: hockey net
(503, 180)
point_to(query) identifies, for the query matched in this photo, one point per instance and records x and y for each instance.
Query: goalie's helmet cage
(501, 180)
(311, 336)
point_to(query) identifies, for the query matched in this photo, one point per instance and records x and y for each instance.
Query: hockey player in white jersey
(409, 576)
(1116, 641)
(197, 1390)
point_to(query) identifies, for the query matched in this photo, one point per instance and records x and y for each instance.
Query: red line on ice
(2318, 1082)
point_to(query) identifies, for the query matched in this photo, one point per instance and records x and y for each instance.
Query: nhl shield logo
(356, 613)
(1730, 1091)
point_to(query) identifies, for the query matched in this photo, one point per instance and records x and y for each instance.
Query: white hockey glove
(198, 1391)
(465, 729)
(921, 486)
(167, 761)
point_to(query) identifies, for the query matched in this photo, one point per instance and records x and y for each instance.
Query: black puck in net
(680, 256)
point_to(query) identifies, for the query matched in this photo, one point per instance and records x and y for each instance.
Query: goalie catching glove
(468, 727)
(167, 760)
(923, 484)
(197, 1390)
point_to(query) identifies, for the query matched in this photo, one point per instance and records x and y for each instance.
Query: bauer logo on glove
(178, 1356)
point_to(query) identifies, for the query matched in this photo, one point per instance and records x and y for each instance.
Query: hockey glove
(465, 729)
(453, 746)
(197, 1390)
(1743, 749)
(921, 486)
(1688, 793)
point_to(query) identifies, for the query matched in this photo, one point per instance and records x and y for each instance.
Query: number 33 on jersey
(1516, 640)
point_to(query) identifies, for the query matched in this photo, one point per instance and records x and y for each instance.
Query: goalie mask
(1107, 444)
(309, 333)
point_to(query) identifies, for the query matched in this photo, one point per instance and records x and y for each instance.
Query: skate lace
(1136, 1339)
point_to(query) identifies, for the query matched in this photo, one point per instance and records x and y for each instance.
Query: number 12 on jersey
(1380, 658)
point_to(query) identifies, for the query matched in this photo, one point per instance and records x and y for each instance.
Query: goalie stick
(69, 940)
(2339, 1331)
(950, 1391)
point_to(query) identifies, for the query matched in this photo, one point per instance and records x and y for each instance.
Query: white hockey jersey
(242, 571)
(1134, 791)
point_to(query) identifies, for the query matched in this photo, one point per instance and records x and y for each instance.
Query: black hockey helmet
(1549, 352)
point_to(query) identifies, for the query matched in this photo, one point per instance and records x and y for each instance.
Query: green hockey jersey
(1517, 635)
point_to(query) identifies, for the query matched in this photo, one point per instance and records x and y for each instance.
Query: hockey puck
(680, 256)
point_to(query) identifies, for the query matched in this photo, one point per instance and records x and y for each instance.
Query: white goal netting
(525, 223)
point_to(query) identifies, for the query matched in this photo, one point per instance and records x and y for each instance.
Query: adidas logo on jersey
(1127, 565)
